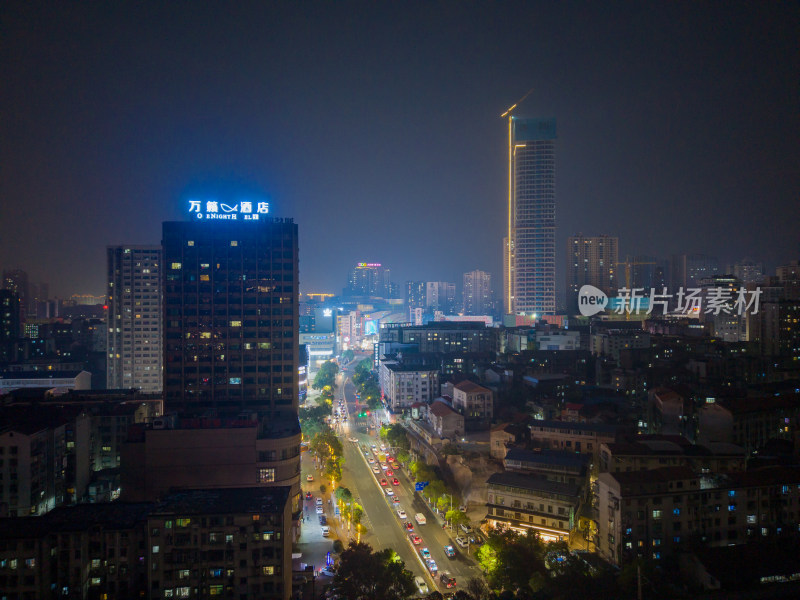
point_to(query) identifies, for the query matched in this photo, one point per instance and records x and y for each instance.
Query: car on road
(352, 439)
(390, 473)
(425, 553)
(420, 519)
(309, 495)
(310, 478)
(415, 539)
(395, 499)
(320, 510)
(384, 466)
(421, 585)
(371, 460)
(447, 580)
(431, 564)
(327, 572)
(449, 551)
(402, 514)
(319, 502)
(326, 531)
(376, 470)
(461, 542)
(384, 482)
(409, 526)
(323, 520)
(389, 491)
(395, 481)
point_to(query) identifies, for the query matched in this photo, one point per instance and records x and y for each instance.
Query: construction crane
(628, 264)
(520, 101)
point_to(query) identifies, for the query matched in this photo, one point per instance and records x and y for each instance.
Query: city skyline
(673, 130)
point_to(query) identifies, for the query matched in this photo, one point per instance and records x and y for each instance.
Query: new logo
(591, 300)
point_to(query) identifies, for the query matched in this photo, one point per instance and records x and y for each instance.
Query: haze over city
(377, 127)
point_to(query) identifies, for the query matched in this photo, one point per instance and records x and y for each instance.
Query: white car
(461, 542)
(371, 460)
(319, 502)
(384, 466)
(389, 491)
(421, 585)
(326, 531)
(376, 470)
(401, 513)
(354, 440)
(320, 510)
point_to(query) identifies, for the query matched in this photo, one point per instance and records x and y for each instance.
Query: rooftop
(533, 483)
(225, 500)
(548, 457)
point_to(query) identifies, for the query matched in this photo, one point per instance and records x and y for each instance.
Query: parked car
(461, 542)
(466, 528)
(326, 531)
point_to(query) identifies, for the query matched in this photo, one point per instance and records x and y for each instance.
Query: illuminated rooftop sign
(245, 210)
(367, 265)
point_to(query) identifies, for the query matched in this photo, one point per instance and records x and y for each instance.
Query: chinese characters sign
(686, 302)
(213, 209)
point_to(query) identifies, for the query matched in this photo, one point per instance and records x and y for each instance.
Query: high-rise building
(477, 293)
(440, 295)
(747, 271)
(415, 294)
(530, 275)
(16, 280)
(688, 269)
(369, 279)
(591, 260)
(9, 325)
(231, 315)
(134, 323)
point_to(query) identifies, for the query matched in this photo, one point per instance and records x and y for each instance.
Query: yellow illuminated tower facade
(529, 261)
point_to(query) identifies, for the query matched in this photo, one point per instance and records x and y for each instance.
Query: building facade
(135, 328)
(591, 260)
(231, 314)
(531, 244)
(478, 293)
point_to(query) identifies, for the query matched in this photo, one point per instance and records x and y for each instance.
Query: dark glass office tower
(230, 317)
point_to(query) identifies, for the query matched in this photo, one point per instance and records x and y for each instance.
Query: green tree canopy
(364, 574)
(326, 376)
(343, 494)
(396, 436)
(348, 355)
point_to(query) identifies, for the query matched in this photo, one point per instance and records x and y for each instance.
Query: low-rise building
(583, 438)
(671, 451)
(524, 502)
(473, 401)
(66, 380)
(553, 465)
(446, 422)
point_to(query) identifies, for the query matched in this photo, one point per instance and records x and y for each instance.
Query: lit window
(236, 323)
(656, 514)
(190, 243)
(266, 475)
(268, 570)
(155, 549)
(234, 243)
(176, 266)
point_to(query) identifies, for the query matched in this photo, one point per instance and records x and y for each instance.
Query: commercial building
(135, 333)
(478, 293)
(526, 502)
(231, 314)
(530, 247)
(9, 325)
(443, 336)
(591, 260)
(64, 380)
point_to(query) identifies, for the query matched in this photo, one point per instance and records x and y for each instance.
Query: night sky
(376, 126)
